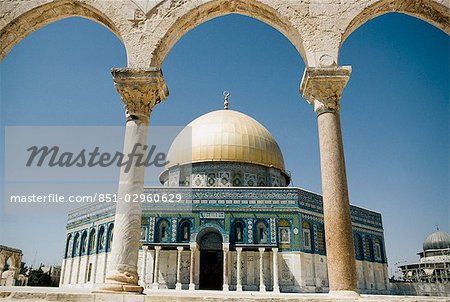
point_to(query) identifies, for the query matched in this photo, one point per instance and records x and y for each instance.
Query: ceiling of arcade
(149, 28)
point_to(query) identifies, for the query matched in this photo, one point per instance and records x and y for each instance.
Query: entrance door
(211, 270)
(211, 261)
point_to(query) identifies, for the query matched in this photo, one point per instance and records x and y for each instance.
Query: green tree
(39, 278)
(23, 268)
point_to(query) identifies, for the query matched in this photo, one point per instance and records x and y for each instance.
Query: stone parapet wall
(421, 289)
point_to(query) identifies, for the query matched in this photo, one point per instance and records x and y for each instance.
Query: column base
(178, 286)
(121, 283)
(276, 289)
(239, 288)
(112, 288)
(344, 294)
(225, 288)
(155, 286)
(191, 286)
(262, 288)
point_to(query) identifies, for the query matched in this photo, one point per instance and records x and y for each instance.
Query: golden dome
(225, 135)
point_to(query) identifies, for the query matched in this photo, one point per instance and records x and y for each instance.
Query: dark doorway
(211, 261)
(211, 270)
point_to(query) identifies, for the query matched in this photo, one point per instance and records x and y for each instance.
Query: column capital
(275, 249)
(226, 247)
(145, 247)
(238, 249)
(193, 246)
(262, 249)
(140, 89)
(180, 248)
(157, 248)
(322, 87)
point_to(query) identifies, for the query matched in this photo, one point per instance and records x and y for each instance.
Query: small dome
(436, 241)
(225, 135)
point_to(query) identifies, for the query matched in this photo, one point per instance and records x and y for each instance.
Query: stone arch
(207, 232)
(31, 19)
(210, 228)
(177, 20)
(9, 262)
(430, 11)
(3, 257)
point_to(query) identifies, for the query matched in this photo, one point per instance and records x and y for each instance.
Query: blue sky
(395, 110)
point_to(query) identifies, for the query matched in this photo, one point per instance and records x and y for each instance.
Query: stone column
(144, 265)
(276, 287)
(78, 268)
(105, 263)
(156, 268)
(226, 248)
(94, 268)
(1, 272)
(180, 250)
(63, 272)
(262, 287)
(238, 269)
(70, 271)
(86, 269)
(141, 90)
(193, 248)
(323, 87)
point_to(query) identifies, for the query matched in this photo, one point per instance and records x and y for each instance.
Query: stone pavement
(28, 294)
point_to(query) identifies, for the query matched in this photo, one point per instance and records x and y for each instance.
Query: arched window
(261, 232)
(91, 248)
(306, 232)
(162, 231)
(144, 232)
(238, 231)
(358, 246)
(109, 237)
(83, 243)
(284, 232)
(69, 238)
(320, 239)
(101, 239)
(76, 242)
(377, 250)
(368, 248)
(184, 231)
